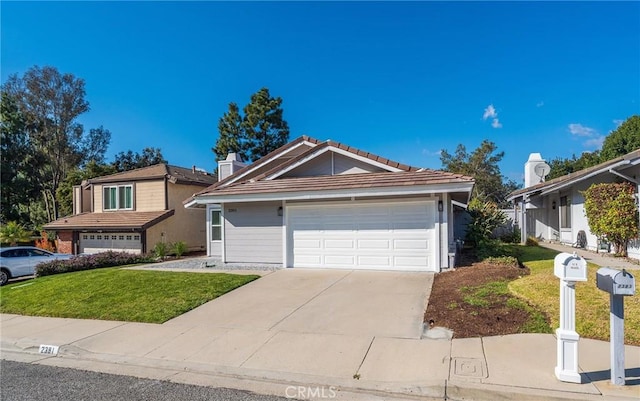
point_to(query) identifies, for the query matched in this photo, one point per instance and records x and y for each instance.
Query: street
(32, 382)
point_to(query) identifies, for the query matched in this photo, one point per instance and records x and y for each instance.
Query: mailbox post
(618, 283)
(570, 268)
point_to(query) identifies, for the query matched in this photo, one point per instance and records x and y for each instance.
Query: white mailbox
(570, 267)
(615, 282)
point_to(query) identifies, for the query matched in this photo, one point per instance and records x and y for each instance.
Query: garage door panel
(410, 261)
(411, 244)
(338, 243)
(309, 243)
(339, 260)
(374, 244)
(375, 261)
(391, 235)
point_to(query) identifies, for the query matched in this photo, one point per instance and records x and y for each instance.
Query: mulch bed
(447, 307)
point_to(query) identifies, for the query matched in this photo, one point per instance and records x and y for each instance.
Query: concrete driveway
(343, 302)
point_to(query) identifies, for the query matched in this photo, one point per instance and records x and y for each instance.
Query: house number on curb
(48, 349)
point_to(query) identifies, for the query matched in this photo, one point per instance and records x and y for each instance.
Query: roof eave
(204, 199)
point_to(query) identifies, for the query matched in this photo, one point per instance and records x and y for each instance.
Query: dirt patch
(474, 301)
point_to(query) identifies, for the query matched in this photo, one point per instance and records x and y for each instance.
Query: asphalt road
(31, 382)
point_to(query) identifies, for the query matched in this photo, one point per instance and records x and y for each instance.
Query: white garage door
(101, 242)
(399, 235)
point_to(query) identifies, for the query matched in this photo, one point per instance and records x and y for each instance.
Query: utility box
(570, 267)
(615, 282)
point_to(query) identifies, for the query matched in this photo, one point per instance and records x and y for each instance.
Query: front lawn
(541, 288)
(117, 294)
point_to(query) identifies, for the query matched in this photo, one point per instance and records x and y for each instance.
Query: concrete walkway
(600, 259)
(301, 351)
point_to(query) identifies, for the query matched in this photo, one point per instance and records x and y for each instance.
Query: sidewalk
(600, 259)
(518, 367)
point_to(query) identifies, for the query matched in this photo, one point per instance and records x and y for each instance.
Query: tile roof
(575, 176)
(291, 161)
(177, 174)
(345, 181)
(125, 220)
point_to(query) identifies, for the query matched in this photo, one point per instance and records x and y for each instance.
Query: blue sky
(402, 80)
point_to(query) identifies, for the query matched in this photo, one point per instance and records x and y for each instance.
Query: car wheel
(4, 277)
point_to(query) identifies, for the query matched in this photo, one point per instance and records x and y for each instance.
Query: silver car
(21, 261)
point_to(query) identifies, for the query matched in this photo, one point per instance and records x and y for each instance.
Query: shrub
(161, 250)
(12, 233)
(513, 237)
(612, 213)
(88, 262)
(45, 243)
(485, 218)
(179, 248)
(508, 261)
(532, 241)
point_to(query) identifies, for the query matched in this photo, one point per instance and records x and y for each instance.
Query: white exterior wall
(252, 232)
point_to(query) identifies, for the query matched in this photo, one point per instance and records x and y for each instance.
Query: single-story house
(133, 210)
(553, 210)
(322, 204)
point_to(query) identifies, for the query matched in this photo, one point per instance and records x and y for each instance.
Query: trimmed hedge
(88, 262)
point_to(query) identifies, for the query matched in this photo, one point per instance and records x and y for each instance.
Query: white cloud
(540, 104)
(618, 122)
(489, 112)
(595, 142)
(427, 152)
(496, 123)
(581, 130)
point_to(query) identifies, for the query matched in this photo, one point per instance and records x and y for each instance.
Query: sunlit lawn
(117, 294)
(542, 289)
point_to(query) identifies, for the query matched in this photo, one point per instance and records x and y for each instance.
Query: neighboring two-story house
(133, 210)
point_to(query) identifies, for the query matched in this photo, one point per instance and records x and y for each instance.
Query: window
(565, 212)
(113, 237)
(216, 225)
(84, 236)
(118, 197)
(121, 237)
(128, 238)
(136, 237)
(99, 237)
(92, 237)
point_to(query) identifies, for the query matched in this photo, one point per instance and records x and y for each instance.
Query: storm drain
(470, 368)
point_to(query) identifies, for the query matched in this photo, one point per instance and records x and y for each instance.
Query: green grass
(542, 290)
(117, 294)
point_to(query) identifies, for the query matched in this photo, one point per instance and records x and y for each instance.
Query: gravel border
(212, 263)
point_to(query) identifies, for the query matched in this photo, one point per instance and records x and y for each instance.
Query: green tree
(17, 186)
(51, 103)
(129, 160)
(612, 213)
(560, 167)
(624, 139)
(12, 233)
(261, 130)
(76, 177)
(482, 165)
(231, 134)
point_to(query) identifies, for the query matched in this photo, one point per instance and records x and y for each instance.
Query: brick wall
(64, 243)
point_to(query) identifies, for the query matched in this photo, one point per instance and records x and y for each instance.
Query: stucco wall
(186, 225)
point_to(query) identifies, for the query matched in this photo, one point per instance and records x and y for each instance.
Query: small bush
(508, 261)
(532, 241)
(45, 243)
(161, 250)
(88, 262)
(179, 248)
(511, 238)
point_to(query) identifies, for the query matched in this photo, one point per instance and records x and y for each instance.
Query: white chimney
(229, 166)
(535, 169)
